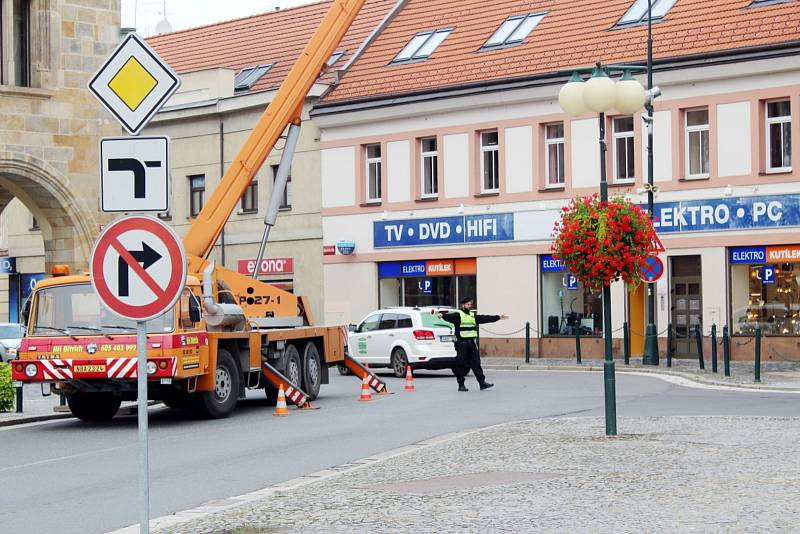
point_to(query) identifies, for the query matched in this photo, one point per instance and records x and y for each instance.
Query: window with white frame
(373, 173)
(430, 167)
(638, 11)
(422, 45)
(623, 149)
(697, 143)
(779, 136)
(514, 30)
(554, 154)
(490, 162)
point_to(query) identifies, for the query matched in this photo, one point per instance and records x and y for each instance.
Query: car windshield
(11, 331)
(75, 309)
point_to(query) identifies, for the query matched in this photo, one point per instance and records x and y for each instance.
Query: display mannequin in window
(467, 355)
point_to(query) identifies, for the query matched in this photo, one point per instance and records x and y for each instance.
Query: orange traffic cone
(365, 393)
(409, 380)
(280, 408)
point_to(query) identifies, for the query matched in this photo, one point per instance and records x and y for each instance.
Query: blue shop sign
(397, 269)
(748, 255)
(8, 265)
(551, 265)
(743, 213)
(444, 230)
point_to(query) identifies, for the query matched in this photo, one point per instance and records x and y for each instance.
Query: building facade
(446, 160)
(49, 132)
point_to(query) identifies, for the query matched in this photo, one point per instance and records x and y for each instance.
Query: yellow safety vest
(468, 327)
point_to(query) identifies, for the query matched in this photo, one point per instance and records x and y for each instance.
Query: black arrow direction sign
(147, 257)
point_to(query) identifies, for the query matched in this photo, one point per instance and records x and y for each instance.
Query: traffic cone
(280, 408)
(409, 380)
(365, 393)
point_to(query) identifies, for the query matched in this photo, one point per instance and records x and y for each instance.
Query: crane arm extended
(284, 109)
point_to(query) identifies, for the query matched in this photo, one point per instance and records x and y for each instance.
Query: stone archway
(68, 226)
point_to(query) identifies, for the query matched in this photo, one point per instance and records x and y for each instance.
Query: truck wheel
(399, 362)
(294, 367)
(220, 402)
(312, 370)
(93, 406)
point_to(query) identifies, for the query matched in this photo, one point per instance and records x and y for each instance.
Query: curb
(640, 370)
(23, 419)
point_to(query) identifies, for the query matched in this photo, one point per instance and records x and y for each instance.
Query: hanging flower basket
(601, 242)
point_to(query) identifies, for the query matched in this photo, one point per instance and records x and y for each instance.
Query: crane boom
(284, 109)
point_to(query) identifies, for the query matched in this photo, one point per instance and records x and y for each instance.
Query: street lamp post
(650, 354)
(600, 94)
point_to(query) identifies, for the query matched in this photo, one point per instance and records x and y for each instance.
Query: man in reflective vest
(467, 355)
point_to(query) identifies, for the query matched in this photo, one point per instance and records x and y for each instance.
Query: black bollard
(713, 348)
(698, 335)
(758, 355)
(578, 345)
(726, 351)
(527, 342)
(670, 341)
(19, 399)
(626, 340)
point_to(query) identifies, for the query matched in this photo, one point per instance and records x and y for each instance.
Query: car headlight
(31, 370)
(11, 351)
(151, 368)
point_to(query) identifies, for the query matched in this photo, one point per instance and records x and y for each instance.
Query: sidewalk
(774, 375)
(670, 474)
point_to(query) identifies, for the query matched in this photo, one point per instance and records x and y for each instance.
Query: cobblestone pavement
(677, 474)
(783, 374)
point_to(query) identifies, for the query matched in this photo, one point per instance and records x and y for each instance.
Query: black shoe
(486, 385)
(462, 387)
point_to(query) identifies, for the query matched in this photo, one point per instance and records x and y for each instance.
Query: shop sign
(444, 230)
(413, 268)
(397, 269)
(328, 250)
(786, 254)
(8, 265)
(267, 266)
(551, 265)
(767, 274)
(346, 247)
(426, 286)
(571, 282)
(769, 211)
(440, 268)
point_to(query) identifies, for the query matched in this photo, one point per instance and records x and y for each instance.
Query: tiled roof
(573, 33)
(276, 37)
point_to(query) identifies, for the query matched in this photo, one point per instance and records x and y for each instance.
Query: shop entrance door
(686, 289)
(636, 318)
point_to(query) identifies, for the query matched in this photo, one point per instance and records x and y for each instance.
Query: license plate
(90, 369)
(447, 339)
(16, 384)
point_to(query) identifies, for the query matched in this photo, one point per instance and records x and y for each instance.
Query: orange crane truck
(227, 332)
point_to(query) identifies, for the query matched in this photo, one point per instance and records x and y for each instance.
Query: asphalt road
(68, 476)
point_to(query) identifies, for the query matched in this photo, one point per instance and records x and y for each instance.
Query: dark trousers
(468, 357)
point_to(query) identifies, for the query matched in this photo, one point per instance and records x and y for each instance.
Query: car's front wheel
(399, 362)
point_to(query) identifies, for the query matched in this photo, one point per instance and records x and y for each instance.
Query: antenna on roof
(163, 25)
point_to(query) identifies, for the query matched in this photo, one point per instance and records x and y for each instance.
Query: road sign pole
(144, 462)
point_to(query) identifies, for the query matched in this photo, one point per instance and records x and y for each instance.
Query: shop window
(623, 149)
(373, 172)
(554, 154)
(765, 296)
(697, 132)
(197, 191)
(430, 167)
(779, 136)
(250, 198)
(286, 201)
(439, 283)
(490, 162)
(567, 306)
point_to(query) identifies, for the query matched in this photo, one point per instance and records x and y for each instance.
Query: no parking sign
(652, 269)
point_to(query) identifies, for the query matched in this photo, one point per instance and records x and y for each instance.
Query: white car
(397, 337)
(10, 338)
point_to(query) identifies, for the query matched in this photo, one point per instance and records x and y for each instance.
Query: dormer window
(638, 11)
(248, 76)
(514, 30)
(422, 46)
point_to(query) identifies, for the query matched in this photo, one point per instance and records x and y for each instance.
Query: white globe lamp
(630, 95)
(600, 93)
(570, 98)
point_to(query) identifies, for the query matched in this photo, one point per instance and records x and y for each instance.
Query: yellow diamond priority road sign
(134, 83)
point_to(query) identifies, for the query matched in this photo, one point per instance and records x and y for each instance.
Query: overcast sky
(182, 14)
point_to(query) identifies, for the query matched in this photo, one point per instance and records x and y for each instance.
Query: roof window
(759, 3)
(638, 11)
(248, 76)
(422, 45)
(514, 30)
